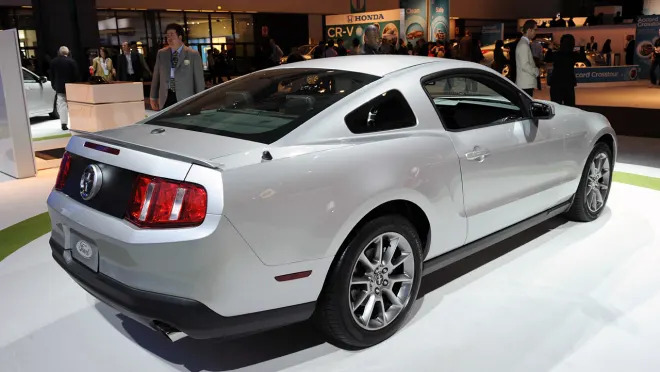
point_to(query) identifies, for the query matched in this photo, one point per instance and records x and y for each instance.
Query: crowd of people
(170, 83)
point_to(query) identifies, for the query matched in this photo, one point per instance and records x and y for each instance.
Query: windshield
(264, 106)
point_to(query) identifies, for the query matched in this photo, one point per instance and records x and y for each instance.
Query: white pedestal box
(92, 118)
(104, 106)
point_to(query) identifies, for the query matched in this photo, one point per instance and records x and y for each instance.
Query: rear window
(265, 106)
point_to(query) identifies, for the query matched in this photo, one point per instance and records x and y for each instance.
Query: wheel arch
(405, 207)
(610, 141)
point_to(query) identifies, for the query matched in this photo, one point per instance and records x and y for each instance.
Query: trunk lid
(184, 143)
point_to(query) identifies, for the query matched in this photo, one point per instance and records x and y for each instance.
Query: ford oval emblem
(90, 182)
(158, 131)
(84, 249)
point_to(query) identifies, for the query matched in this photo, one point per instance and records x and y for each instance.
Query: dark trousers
(134, 78)
(171, 99)
(563, 95)
(530, 92)
(654, 66)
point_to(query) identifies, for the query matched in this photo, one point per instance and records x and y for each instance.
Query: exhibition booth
(560, 295)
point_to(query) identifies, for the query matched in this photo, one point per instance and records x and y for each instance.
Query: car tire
(340, 314)
(594, 188)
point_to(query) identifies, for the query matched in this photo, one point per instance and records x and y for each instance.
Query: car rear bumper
(186, 315)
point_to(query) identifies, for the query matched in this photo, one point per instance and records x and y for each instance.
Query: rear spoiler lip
(146, 149)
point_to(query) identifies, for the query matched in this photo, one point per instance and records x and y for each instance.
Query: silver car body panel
(40, 96)
(292, 213)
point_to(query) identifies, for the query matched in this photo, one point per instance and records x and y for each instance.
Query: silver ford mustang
(323, 189)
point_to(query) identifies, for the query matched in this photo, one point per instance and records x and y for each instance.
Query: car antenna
(266, 156)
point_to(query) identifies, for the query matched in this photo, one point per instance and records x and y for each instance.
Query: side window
(465, 102)
(388, 111)
(28, 77)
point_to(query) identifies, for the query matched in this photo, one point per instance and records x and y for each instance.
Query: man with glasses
(178, 72)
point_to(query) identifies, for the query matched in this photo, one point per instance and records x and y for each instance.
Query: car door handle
(478, 154)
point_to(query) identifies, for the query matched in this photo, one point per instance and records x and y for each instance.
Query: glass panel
(198, 28)
(221, 28)
(467, 102)
(107, 27)
(132, 28)
(265, 106)
(244, 27)
(28, 77)
(27, 37)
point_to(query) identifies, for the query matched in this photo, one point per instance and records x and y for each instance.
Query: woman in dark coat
(562, 81)
(499, 59)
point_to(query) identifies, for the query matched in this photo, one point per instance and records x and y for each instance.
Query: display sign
(648, 32)
(491, 33)
(16, 154)
(350, 26)
(439, 16)
(612, 74)
(358, 6)
(416, 20)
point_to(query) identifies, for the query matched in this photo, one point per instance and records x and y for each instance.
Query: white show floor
(569, 297)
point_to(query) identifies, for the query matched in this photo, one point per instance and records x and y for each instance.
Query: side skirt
(467, 250)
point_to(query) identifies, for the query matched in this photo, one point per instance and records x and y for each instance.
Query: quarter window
(28, 77)
(388, 111)
(465, 102)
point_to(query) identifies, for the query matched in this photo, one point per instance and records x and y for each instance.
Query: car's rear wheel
(594, 188)
(372, 285)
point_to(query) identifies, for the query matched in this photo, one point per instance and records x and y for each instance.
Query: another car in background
(39, 94)
(306, 51)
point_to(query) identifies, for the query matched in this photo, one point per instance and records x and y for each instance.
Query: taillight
(161, 203)
(63, 174)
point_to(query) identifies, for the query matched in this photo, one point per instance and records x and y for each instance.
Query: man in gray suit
(526, 70)
(178, 72)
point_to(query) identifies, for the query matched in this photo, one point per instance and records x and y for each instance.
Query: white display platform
(567, 297)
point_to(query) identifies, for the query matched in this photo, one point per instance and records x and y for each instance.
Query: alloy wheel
(381, 281)
(598, 183)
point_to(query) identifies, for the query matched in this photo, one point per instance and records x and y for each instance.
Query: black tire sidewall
(598, 149)
(344, 271)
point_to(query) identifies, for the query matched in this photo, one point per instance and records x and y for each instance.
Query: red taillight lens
(63, 174)
(161, 203)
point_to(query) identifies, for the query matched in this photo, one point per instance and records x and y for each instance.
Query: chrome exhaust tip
(168, 331)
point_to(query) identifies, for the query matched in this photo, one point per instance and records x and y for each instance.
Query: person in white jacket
(526, 70)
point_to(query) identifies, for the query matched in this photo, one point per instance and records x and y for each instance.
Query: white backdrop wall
(16, 155)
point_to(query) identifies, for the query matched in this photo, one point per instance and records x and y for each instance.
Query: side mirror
(542, 111)
(43, 80)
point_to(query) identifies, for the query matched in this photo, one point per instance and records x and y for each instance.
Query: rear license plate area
(84, 250)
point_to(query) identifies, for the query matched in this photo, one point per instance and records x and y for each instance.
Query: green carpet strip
(637, 180)
(66, 135)
(20, 234)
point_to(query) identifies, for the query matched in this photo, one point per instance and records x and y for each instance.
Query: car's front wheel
(373, 284)
(594, 187)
